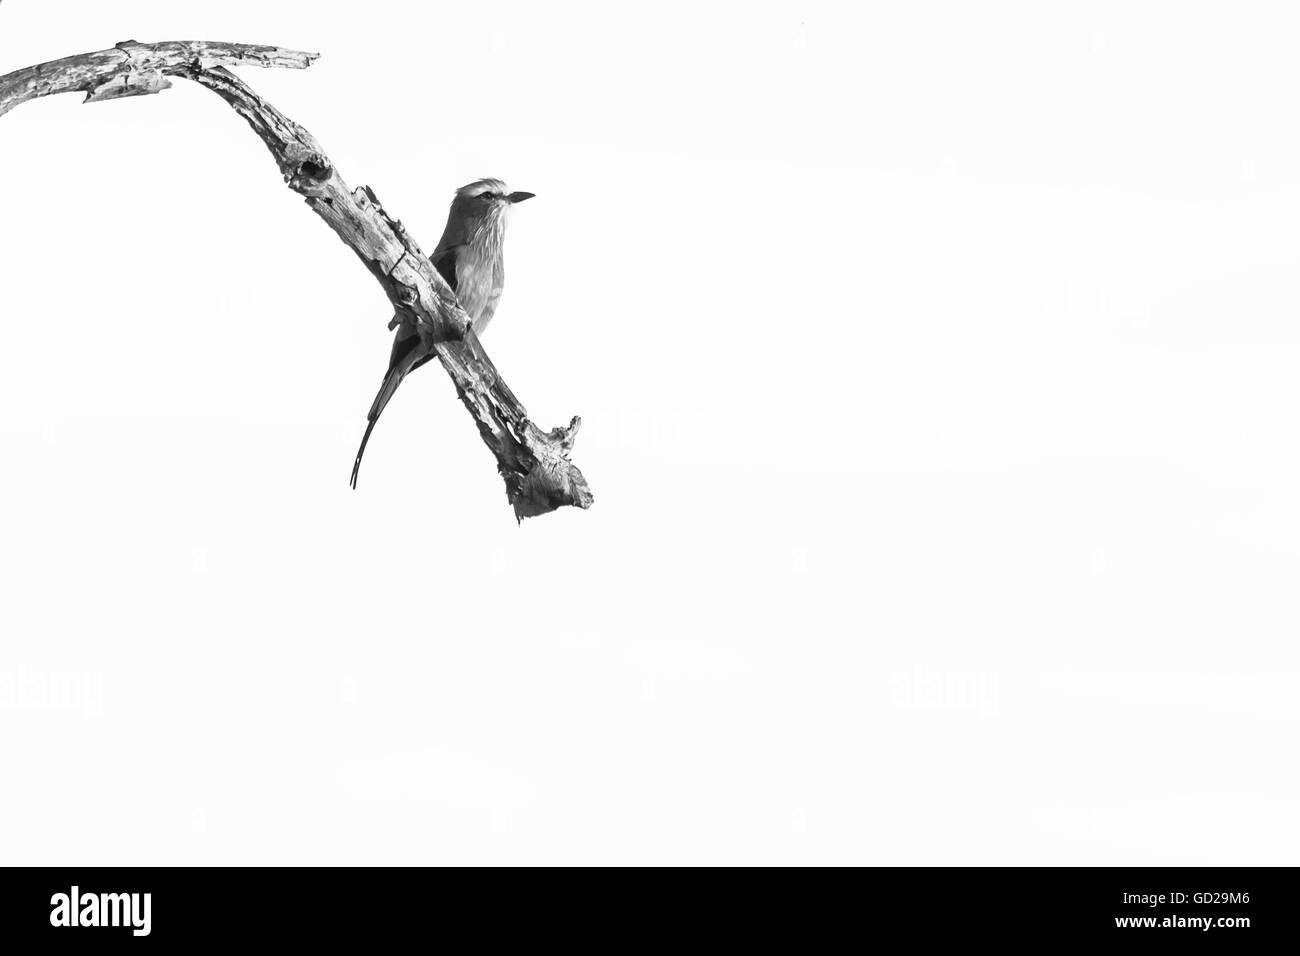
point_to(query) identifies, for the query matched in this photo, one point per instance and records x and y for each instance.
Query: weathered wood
(534, 464)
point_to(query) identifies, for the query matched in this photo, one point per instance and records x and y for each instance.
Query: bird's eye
(488, 196)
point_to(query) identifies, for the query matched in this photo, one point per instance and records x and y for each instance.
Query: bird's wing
(444, 260)
(405, 342)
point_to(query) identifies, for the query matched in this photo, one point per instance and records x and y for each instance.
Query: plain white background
(938, 368)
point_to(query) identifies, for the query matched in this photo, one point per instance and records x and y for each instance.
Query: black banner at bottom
(380, 907)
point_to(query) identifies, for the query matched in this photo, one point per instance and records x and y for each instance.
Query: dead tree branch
(534, 464)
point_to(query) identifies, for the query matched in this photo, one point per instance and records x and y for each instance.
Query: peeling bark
(534, 464)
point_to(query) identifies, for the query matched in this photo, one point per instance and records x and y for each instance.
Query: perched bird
(469, 257)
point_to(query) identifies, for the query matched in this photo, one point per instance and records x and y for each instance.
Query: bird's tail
(356, 465)
(391, 381)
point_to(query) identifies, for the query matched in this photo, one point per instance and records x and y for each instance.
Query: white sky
(938, 375)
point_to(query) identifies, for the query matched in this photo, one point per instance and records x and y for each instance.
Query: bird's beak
(519, 197)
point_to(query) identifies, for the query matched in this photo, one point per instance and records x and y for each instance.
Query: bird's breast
(480, 276)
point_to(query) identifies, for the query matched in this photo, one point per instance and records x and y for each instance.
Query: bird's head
(487, 199)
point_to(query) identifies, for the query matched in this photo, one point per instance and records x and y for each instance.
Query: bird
(469, 256)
